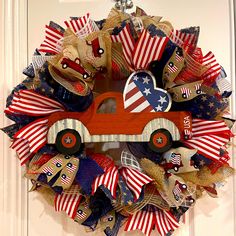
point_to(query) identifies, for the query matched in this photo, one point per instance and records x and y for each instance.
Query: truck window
(107, 106)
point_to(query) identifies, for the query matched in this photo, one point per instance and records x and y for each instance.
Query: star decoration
(68, 140)
(159, 140)
(202, 163)
(147, 91)
(162, 100)
(211, 104)
(135, 78)
(130, 203)
(159, 108)
(204, 98)
(146, 80)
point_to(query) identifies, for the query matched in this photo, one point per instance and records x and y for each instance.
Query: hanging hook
(123, 5)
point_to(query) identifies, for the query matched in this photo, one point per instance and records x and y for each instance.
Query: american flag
(80, 214)
(71, 167)
(30, 139)
(65, 179)
(208, 137)
(68, 201)
(125, 37)
(172, 67)
(140, 94)
(145, 220)
(53, 41)
(47, 170)
(176, 158)
(135, 180)
(28, 102)
(82, 26)
(148, 49)
(198, 87)
(57, 161)
(109, 180)
(178, 57)
(186, 91)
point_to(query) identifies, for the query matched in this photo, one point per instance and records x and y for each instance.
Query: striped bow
(135, 180)
(145, 220)
(28, 102)
(208, 137)
(138, 55)
(82, 26)
(29, 139)
(33, 136)
(68, 201)
(53, 41)
(184, 40)
(109, 180)
(54, 34)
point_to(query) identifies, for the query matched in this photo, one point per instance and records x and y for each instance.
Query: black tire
(160, 146)
(74, 141)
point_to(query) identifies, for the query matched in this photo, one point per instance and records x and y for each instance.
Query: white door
(28, 214)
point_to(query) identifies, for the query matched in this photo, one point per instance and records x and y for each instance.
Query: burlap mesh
(48, 194)
(155, 171)
(114, 19)
(204, 177)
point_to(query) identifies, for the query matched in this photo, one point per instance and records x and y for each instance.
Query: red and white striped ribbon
(68, 201)
(145, 220)
(183, 40)
(53, 41)
(214, 67)
(165, 222)
(28, 102)
(135, 180)
(148, 49)
(30, 139)
(82, 26)
(208, 137)
(125, 37)
(109, 180)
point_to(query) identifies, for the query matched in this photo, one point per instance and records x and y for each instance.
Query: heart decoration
(142, 95)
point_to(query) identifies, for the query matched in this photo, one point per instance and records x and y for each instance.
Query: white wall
(27, 214)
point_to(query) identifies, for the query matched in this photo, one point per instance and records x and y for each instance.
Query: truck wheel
(160, 140)
(68, 141)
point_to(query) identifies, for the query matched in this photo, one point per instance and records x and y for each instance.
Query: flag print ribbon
(68, 201)
(135, 180)
(28, 102)
(145, 220)
(208, 137)
(82, 26)
(139, 54)
(29, 139)
(109, 180)
(54, 34)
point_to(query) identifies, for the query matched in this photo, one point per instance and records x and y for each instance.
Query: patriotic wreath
(138, 156)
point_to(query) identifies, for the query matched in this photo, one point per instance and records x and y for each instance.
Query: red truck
(69, 129)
